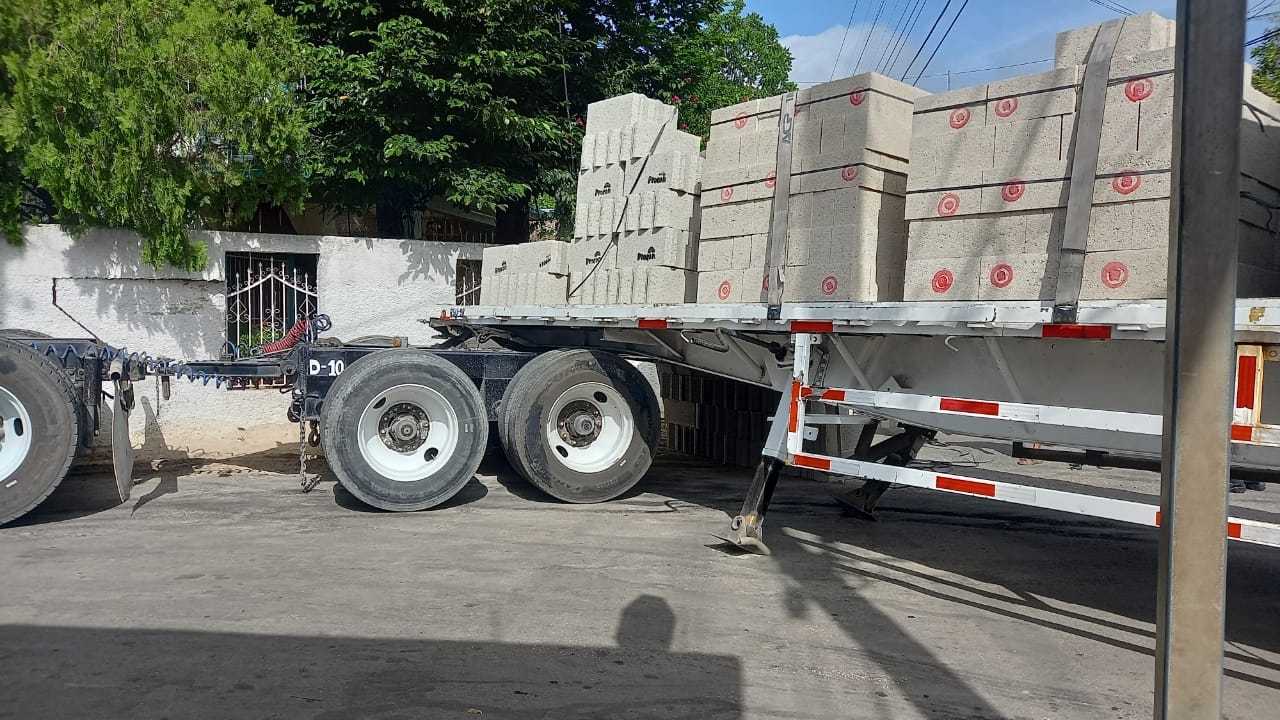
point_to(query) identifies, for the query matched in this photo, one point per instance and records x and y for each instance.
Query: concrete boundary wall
(98, 285)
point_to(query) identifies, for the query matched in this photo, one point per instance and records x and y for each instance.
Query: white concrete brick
(583, 255)
(759, 148)
(1033, 96)
(972, 95)
(624, 109)
(1142, 64)
(715, 254)
(606, 182)
(665, 171)
(729, 286)
(1002, 193)
(1028, 144)
(667, 247)
(722, 154)
(832, 135)
(663, 286)
(807, 140)
(662, 209)
(1132, 184)
(1136, 275)
(587, 160)
(1017, 276)
(1141, 33)
(640, 139)
(956, 158)
(946, 120)
(550, 289)
(975, 236)
(942, 279)
(949, 203)
(548, 256)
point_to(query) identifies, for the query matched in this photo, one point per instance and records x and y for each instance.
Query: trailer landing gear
(746, 530)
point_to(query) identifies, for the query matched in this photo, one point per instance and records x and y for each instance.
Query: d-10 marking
(332, 368)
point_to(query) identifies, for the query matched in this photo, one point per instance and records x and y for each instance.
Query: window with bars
(467, 282)
(266, 294)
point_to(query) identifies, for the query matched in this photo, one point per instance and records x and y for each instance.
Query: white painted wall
(98, 286)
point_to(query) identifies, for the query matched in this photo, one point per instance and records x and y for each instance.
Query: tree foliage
(1266, 71)
(156, 115)
(428, 98)
(480, 101)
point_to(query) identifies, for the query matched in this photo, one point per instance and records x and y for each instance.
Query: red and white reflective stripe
(1077, 332)
(1249, 366)
(1140, 423)
(1121, 510)
(800, 375)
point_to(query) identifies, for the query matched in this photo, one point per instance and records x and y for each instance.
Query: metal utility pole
(1199, 358)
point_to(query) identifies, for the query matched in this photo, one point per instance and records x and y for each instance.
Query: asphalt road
(222, 592)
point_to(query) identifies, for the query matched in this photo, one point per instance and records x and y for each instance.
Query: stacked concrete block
(529, 274)
(635, 231)
(845, 235)
(989, 183)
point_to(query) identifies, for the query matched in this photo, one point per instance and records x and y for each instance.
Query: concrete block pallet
(528, 274)
(845, 230)
(991, 167)
(636, 224)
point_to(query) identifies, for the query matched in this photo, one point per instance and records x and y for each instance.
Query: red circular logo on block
(829, 285)
(857, 97)
(960, 118)
(948, 205)
(724, 290)
(726, 194)
(1006, 107)
(1140, 89)
(1115, 274)
(1012, 191)
(771, 179)
(1002, 275)
(740, 121)
(942, 281)
(1126, 182)
(849, 172)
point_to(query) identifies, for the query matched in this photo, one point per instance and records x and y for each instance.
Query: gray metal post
(1199, 358)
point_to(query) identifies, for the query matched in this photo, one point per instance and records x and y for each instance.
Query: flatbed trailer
(405, 428)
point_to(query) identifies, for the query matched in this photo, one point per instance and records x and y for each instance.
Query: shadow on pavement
(65, 672)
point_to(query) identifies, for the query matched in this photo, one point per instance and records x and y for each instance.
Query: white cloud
(816, 55)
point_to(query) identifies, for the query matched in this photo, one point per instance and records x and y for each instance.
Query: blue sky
(989, 33)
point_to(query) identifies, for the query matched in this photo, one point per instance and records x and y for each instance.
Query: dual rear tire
(406, 430)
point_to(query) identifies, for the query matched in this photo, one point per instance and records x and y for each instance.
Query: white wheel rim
(391, 433)
(589, 428)
(15, 434)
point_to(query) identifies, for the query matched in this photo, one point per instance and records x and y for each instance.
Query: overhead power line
(925, 44)
(847, 26)
(970, 71)
(896, 33)
(941, 40)
(1114, 7)
(870, 34)
(1263, 38)
(902, 41)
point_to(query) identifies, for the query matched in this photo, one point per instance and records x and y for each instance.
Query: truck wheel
(38, 428)
(581, 425)
(403, 429)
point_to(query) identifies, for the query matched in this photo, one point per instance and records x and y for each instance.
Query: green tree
(426, 98)
(1266, 71)
(481, 101)
(732, 58)
(156, 115)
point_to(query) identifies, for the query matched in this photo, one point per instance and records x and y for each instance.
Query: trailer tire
(404, 430)
(604, 456)
(40, 419)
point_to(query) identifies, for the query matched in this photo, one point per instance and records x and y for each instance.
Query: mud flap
(121, 447)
